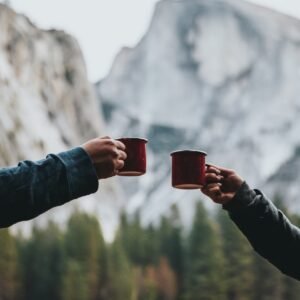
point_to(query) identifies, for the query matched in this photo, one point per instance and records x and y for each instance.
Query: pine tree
(291, 290)
(166, 280)
(120, 273)
(171, 240)
(135, 240)
(205, 261)
(152, 245)
(43, 263)
(85, 251)
(74, 285)
(147, 284)
(9, 280)
(239, 273)
(171, 244)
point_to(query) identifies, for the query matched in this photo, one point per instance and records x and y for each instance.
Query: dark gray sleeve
(268, 230)
(32, 188)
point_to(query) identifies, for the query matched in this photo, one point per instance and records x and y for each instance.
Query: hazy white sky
(103, 27)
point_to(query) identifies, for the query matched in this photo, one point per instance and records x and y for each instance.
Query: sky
(103, 27)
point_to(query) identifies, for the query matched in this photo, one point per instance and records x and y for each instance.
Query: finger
(209, 188)
(212, 177)
(105, 137)
(119, 164)
(120, 145)
(223, 171)
(212, 169)
(213, 186)
(122, 155)
(109, 155)
(205, 191)
(106, 155)
(214, 193)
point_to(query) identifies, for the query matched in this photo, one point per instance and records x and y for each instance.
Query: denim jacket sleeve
(268, 230)
(32, 188)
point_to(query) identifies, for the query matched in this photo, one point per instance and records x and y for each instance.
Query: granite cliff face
(48, 105)
(220, 76)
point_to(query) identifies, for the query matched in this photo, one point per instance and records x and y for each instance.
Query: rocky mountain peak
(48, 105)
(220, 76)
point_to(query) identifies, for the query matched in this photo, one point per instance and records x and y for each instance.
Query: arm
(267, 229)
(32, 188)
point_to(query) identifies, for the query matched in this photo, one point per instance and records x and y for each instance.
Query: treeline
(212, 261)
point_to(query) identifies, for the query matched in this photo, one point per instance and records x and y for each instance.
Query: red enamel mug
(135, 163)
(188, 169)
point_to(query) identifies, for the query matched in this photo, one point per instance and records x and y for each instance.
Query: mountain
(219, 76)
(48, 105)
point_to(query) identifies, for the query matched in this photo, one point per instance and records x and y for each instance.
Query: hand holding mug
(107, 155)
(221, 184)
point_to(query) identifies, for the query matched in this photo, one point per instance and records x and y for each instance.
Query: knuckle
(114, 153)
(110, 142)
(124, 155)
(121, 145)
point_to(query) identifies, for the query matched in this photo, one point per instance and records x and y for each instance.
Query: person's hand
(221, 184)
(107, 155)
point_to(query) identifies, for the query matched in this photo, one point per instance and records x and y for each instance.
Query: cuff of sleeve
(241, 200)
(81, 174)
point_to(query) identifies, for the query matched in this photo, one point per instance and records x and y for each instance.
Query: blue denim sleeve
(268, 230)
(32, 188)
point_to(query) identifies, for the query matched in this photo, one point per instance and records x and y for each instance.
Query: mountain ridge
(47, 106)
(234, 96)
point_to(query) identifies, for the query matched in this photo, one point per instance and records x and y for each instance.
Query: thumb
(224, 171)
